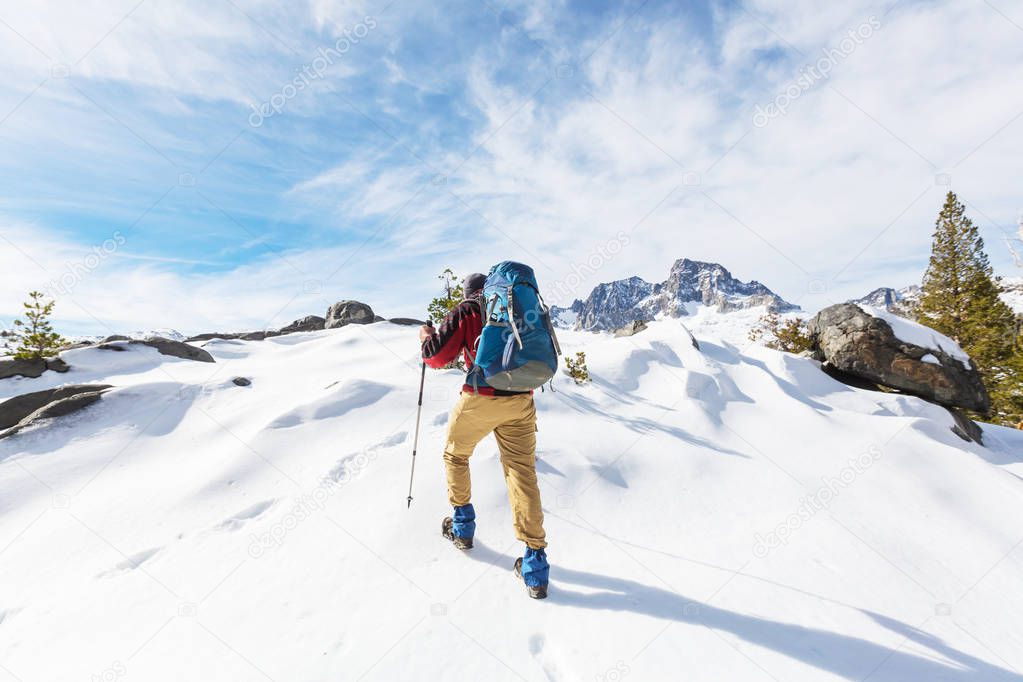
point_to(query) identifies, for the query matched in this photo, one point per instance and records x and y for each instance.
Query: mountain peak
(613, 304)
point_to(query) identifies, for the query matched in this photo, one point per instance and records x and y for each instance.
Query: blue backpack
(518, 350)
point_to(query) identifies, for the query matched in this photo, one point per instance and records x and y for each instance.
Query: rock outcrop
(50, 404)
(344, 313)
(31, 368)
(176, 349)
(13, 410)
(850, 341)
(631, 329)
(309, 323)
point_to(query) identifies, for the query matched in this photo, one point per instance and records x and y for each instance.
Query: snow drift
(731, 513)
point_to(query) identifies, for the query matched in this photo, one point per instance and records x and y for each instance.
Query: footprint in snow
(396, 438)
(351, 395)
(537, 643)
(350, 465)
(244, 516)
(131, 563)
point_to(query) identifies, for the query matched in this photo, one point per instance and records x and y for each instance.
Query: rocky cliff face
(615, 304)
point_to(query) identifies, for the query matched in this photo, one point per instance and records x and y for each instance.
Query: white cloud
(641, 134)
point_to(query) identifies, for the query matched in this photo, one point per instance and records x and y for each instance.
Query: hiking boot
(457, 541)
(535, 592)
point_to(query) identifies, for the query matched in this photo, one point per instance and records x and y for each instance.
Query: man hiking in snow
(480, 410)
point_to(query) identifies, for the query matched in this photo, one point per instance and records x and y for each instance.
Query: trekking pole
(419, 415)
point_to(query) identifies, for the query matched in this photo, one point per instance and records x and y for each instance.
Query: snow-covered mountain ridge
(731, 512)
(1012, 293)
(902, 300)
(613, 304)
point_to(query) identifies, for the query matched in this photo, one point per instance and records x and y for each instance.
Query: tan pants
(512, 419)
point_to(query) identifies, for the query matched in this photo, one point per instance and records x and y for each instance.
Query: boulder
(241, 381)
(57, 365)
(407, 321)
(31, 368)
(176, 349)
(850, 341)
(631, 329)
(309, 323)
(13, 410)
(56, 407)
(348, 312)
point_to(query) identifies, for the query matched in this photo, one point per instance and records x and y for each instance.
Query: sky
(230, 165)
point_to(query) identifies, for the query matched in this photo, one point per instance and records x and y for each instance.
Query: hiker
(480, 410)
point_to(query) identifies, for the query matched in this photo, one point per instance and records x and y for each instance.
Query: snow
(1012, 293)
(918, 334)
(930, 359)
(725, 514)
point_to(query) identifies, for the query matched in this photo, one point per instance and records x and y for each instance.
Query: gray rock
(57, 365)
(209, 336)
(59, 407)
(966, 428)
(22, 368)
(176, 349)
(851, 342)
(348, 312)
(232, 336)
(31, 368)
(13, 410)
(309, 323)
(631, 329)
(242, 381)
(407, 321)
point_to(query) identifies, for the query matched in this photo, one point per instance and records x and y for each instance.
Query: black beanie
(472, 285)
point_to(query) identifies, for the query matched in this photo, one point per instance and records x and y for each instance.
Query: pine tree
(453, 294)
(791, 336)
(960, 299)
(442, 305)
(36, 338)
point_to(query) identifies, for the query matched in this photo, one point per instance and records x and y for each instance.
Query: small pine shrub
(791, 335)
(35, 336)
(444, 304)
(576, 368)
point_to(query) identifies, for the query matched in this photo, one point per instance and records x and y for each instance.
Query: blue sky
(138, 191)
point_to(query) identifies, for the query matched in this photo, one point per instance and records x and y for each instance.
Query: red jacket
(459, 333)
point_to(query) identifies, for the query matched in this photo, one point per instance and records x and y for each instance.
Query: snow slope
(730, 514)
(1012, 293)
